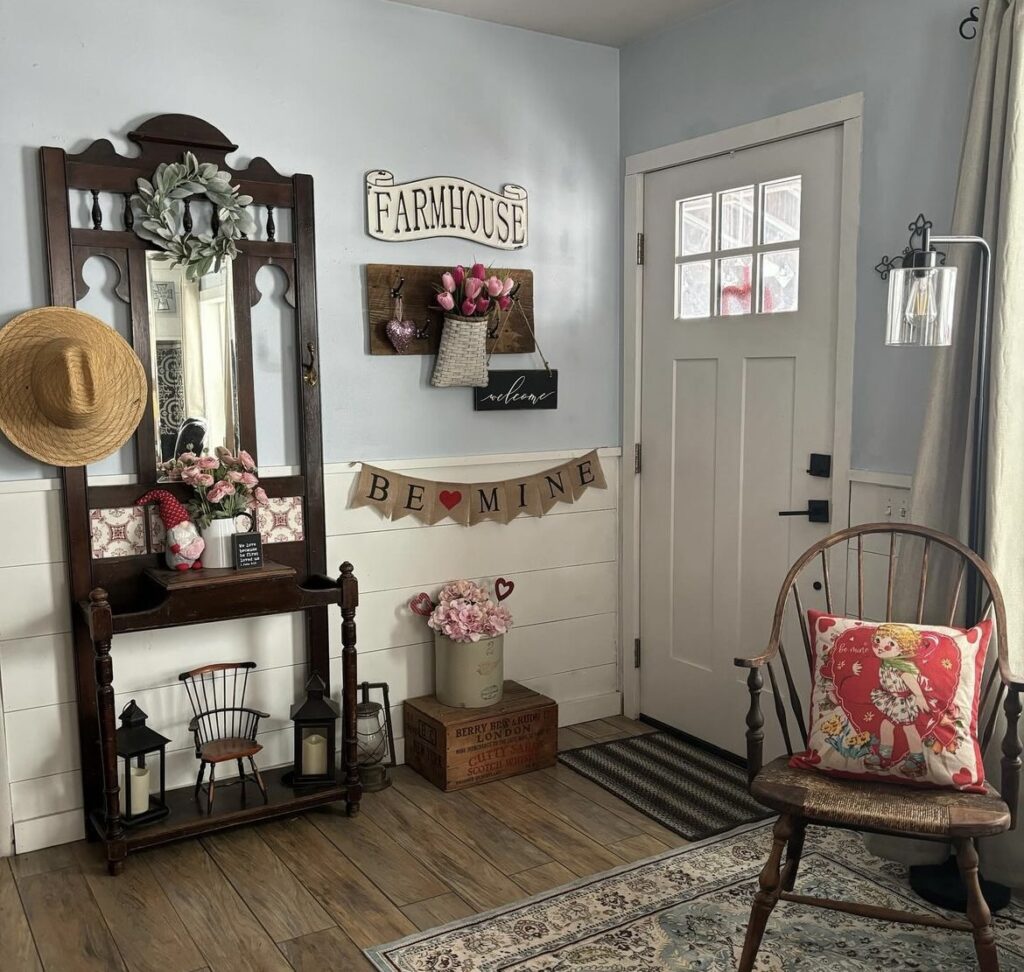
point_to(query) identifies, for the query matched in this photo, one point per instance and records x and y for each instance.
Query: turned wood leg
(794, 849)
(349, 679)
(978, 912)
(241, 775)
(199, 778)
(258, 778)
(209, 788)
(770, 883)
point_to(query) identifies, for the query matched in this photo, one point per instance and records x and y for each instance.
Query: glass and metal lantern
(375, 738)
(135, 742)
(921, 299)
(315, 719)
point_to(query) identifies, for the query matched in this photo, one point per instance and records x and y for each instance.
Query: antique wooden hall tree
(117, 595)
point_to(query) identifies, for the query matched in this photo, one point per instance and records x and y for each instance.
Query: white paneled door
(738, 391)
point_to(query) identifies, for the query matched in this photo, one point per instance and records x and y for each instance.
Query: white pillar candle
(139, 777)
(314, 755)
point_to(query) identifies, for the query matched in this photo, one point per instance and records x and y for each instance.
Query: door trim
(846, 112)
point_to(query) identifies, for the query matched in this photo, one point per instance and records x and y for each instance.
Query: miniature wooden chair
(222, 727)
(805, 797)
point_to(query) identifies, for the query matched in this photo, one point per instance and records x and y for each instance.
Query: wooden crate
(456, 748)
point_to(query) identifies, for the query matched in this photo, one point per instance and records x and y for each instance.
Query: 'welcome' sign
(515, 390)
(444, 206)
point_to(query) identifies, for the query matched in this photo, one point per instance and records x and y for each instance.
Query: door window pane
(780, 210)
(780, 281)
(734, 284)
(693, 226)
(693, 290)
(736, 218)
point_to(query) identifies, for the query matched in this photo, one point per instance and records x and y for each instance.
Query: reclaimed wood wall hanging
(445, 206)
(395, 495)
(417, 288)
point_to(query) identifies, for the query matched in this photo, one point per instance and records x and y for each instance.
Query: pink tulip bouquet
(473, 292)
(225, 485)
(464, 612)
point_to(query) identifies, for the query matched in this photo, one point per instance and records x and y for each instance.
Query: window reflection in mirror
(195, 400)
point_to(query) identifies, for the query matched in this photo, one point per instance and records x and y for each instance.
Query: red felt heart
(825, 623)
(502, 588)
(962, 777)
(450, 498)
(422, 605)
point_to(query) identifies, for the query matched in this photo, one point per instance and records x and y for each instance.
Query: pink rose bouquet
(225, 485)
(474, 292)
(464, 612)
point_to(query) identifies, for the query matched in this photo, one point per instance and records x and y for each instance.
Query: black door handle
(817, 511)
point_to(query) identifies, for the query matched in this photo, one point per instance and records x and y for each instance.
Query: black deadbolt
(820, 465)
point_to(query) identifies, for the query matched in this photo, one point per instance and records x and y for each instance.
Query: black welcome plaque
(517, 390)
(248, 550)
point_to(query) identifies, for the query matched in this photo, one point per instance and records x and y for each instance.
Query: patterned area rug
(684, 787)
(688, 909)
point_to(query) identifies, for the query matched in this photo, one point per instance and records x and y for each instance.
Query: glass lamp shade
(371, 734)
(921, 303)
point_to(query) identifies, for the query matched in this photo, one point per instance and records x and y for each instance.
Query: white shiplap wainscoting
(563, 644)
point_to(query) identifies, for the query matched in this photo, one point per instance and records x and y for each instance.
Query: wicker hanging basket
(462, 356)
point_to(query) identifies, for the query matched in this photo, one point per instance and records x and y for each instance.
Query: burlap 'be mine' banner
(395, 495)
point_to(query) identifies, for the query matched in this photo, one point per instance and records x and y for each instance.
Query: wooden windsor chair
(222, 727)
(805, 797)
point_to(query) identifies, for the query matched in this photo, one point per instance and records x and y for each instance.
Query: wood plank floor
(309, 893)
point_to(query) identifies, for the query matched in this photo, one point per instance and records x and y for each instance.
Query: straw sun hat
(72, 390)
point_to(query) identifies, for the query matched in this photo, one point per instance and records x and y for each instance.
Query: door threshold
(693, 740)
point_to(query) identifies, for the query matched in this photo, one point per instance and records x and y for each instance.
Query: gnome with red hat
(184, 546)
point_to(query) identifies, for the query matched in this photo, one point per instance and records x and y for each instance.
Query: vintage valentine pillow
(896, 702)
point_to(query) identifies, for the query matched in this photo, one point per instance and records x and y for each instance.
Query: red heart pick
(502, 588)
(450, 498)
(422, 605)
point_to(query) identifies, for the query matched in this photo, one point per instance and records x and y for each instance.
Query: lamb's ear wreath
(160, 205)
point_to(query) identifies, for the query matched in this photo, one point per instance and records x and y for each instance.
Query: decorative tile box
(456, 747)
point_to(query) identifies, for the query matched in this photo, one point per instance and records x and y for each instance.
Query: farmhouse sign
(445, 206)
(508, 390)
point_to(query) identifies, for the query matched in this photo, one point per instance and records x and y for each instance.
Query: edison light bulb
(922, 307)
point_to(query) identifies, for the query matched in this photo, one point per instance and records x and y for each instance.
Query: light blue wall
(335, 88)
(753, 59)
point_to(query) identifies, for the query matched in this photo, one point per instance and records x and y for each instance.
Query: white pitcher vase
(217, 537)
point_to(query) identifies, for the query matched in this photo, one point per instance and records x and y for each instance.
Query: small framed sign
(247, 549)
(508, 390)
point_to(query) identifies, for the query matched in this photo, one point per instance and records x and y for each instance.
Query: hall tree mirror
(193, 374)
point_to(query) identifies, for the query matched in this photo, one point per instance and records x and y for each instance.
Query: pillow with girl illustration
(896, 702)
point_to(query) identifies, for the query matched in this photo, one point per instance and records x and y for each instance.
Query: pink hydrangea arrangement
(225, 485)
(474, 292)
(464, 612)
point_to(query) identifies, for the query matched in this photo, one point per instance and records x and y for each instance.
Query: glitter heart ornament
(401, 333)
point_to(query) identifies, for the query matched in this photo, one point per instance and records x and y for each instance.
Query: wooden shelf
(188, 816)
(171, 598)
(181, 580)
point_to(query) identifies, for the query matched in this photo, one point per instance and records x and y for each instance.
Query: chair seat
(234, 747)
(886, 807)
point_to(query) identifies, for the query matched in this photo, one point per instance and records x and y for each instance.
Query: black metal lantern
(315, 720)
(135, 741)
(375, 738)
